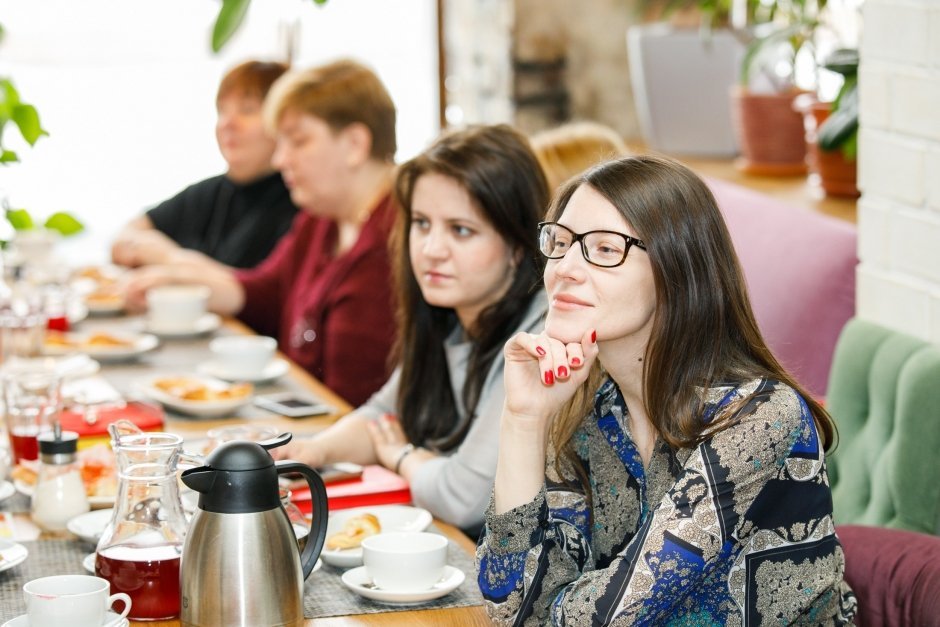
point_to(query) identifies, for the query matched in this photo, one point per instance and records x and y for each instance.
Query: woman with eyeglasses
(656, 463)
(468, 277)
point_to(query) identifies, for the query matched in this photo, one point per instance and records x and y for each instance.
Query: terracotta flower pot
(770, 133)
(835, 174)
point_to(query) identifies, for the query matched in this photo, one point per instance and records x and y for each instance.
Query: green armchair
(884, 395)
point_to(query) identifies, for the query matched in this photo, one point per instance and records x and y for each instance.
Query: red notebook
(378, 486)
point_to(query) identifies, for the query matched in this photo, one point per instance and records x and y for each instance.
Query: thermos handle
(311, 552)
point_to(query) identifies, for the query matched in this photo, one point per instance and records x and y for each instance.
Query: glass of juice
(32, 399)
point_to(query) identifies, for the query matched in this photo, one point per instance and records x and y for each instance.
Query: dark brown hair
(340, 93)
(499, 171)
(704, 331)
(251, 78)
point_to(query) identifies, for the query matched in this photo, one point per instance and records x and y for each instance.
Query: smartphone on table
(293, 405)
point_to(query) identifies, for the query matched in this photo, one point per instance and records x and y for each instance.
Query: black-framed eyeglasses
(606, 249)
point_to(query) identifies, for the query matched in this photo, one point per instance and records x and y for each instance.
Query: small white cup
(405, 561)
(176, 307)
(74, 600)
(243, 356)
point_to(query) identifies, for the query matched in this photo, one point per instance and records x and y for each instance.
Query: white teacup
(243, 356)
(405, 561)
(176, 307)
(74, 600)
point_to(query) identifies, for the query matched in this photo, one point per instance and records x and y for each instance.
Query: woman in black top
(235, 218)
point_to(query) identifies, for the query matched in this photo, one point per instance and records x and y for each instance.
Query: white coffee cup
(405, 561)
(73, 600)
(176, 307)
(243, 356)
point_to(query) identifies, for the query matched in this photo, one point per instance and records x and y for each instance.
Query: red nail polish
(549, 377)
(562, 372)
(575, 361)
(540, 351)
(593, 337)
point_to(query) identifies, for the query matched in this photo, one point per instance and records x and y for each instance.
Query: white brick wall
(899, 167)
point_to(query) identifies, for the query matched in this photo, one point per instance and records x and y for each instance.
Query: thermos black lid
(239, 477)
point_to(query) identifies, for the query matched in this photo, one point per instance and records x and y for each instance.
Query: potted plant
(686, 51)
(832, 128)
(769, 130)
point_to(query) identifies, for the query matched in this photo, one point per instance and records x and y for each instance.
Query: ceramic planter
(770, 133)
(836, 175)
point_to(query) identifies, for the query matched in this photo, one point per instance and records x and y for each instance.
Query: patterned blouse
(736, 531)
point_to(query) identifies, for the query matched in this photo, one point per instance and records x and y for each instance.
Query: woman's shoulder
(761, 399)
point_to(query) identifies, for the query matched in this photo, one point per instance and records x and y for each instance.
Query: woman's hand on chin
(542, 373)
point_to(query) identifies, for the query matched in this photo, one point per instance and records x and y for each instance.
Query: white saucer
(6, 490)
(358, 581)
(276, 368)
(90, 525)
(110, 620)
(89, 562)
(207, 323)
(11, 554)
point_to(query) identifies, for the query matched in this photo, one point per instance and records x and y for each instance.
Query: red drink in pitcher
(150, 575)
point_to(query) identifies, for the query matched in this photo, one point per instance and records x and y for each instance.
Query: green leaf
(20, 219)
(64, 223)
(9, 98)
(8, 156)
(850, 147)
(320, 2)
(27, 120)
(227, 23)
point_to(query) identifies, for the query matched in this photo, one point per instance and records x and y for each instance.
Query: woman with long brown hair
(468, 277)
(656, 465)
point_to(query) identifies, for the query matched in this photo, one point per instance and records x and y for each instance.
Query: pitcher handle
(311, 552)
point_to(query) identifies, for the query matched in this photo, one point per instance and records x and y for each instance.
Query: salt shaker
(60, 493)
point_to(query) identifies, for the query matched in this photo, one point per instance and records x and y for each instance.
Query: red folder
(378, 486)
(146, 416)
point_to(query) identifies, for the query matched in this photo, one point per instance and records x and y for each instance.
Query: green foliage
(789, 24)
(65, 223)
(840, 130)
(24, 116)
(230, 19)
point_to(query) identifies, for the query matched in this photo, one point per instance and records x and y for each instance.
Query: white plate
(111, 619)
(276, 368)
(89, 563)
(74, 366)
(204, 409)
(90, 525)
(391, 518)
(6, 490)
(358, 581)
(207, 323)
(95, 501)
(11, 554)
(139, 344)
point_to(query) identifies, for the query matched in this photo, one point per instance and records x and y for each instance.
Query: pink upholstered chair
(800, 271)
(895, 575)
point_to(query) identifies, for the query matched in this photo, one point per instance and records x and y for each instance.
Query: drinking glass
(32, 399)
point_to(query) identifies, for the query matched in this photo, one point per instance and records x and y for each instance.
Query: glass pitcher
(139, 551)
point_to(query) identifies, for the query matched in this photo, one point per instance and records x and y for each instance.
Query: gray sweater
(456, 487)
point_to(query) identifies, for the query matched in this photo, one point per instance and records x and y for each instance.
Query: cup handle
(120, 596)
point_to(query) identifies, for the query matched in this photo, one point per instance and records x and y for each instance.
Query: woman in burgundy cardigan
(325, 290)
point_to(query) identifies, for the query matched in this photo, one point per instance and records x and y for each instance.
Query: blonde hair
(340, 93)
(570, 149)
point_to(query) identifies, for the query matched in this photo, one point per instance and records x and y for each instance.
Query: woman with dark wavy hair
(656, 463)
(468, 276)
